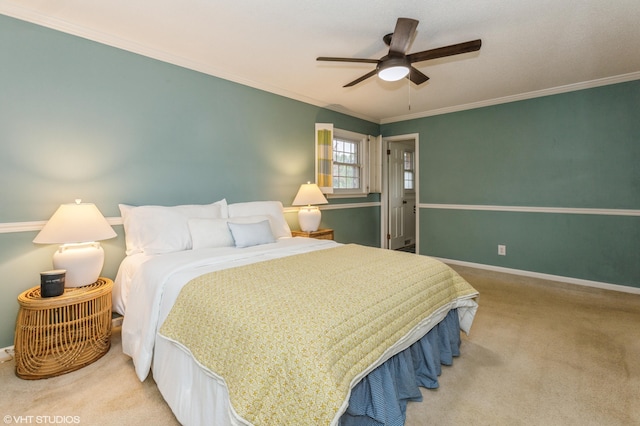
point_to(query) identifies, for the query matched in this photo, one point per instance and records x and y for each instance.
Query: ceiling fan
(397, 63)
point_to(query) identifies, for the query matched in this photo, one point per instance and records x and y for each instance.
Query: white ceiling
(529, 47)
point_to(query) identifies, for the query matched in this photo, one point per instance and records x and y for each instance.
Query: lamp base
(309, 218)
(83, 263)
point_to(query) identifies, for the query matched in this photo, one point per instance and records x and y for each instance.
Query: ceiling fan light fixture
(393, 69)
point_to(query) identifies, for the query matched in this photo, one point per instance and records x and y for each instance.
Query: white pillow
(210, 233)
(159, 229)
(251, 234)
(272, 209)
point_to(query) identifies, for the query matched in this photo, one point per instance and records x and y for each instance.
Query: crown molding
(520, 97)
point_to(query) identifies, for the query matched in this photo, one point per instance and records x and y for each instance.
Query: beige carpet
(539, 353)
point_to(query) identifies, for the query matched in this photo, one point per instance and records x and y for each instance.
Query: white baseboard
(116, 321)
(6, 354)
(549, 277)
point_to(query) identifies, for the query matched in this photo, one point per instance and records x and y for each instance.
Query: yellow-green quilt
(290, 335)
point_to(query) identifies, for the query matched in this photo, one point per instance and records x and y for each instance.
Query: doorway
(400, 196)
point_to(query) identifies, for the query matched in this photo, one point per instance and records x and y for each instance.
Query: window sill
(345, 195)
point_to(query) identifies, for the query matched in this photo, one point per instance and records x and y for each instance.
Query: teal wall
(572, 150)
(83, 120)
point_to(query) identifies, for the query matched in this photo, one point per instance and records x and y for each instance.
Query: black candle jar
(52, 283)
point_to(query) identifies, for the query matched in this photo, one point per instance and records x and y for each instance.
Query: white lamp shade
(309, 194)
(75, 223)
(77, 227)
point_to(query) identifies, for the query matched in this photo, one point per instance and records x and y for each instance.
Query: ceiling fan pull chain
(409, 86)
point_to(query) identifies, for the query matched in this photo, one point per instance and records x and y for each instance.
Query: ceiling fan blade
(441, 52)
(330, 59)
(417, 77)
(405, 28)
(358, 80)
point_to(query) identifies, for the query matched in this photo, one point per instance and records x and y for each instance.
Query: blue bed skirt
(381, 398)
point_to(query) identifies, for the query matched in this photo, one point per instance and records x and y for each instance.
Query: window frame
(363, 164)
(411, 170)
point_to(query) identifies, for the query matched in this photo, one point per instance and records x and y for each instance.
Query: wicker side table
(56, 335)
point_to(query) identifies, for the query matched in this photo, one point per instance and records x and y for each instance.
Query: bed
(240, 323)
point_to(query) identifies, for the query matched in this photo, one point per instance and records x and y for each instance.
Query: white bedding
(122, 284)
(155, 286)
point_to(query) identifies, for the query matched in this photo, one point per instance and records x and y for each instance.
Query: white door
(399, 206)
(397, 203)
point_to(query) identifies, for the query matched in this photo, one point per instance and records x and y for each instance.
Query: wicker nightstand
(320, 234)
(56, 335)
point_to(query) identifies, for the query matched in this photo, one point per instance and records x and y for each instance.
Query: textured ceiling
(528, 47)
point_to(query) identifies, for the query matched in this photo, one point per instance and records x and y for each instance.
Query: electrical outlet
(502, 250)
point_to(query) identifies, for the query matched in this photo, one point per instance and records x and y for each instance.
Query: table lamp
(309, 216)
(77, 227)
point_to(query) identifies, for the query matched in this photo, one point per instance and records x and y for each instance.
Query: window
(409, 170)
(349, 159)
(346, 164)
